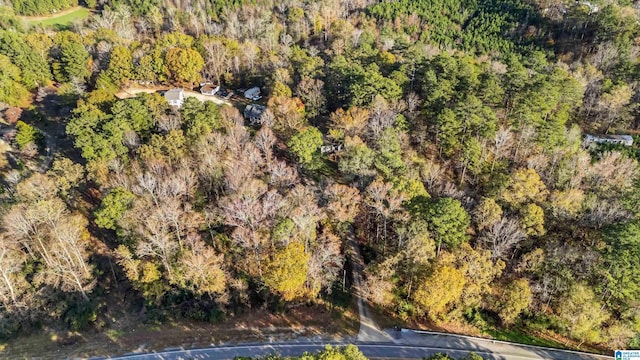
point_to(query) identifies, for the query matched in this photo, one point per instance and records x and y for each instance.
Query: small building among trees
(175, 97)
(253, 93)
(331, 148)
(209, 89)
(253, 113)
(608, 139)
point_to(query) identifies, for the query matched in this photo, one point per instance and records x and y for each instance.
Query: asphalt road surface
(371, 350)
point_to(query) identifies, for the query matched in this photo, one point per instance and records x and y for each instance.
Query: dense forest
(457, 161)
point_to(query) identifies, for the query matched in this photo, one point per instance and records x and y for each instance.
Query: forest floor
(303, 323)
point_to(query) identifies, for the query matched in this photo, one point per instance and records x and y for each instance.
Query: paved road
(497, 349)
(371, 350)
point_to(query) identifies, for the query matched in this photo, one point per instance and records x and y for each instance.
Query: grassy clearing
(63, 20)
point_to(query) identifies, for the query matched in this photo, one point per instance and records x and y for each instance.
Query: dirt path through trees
(369, 330)
(51, 16)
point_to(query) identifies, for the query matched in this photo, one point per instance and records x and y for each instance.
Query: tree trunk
(10, 286)
(464, 170)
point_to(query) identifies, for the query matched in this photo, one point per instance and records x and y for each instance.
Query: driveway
(133, 91)
(369, 331)
(203, 98)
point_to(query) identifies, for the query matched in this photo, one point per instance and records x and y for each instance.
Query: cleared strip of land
(133, 91)
(64, 17)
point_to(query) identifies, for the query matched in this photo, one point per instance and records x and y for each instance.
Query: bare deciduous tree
(344, 202)
(613, 172)
(12, 279)
(325, 263)
(281, 174)
(202, 268)
(502, 236)
(502, 143)
(68, 248)
(157, 243)
(605, 213)
(265, 140)
(217, 59)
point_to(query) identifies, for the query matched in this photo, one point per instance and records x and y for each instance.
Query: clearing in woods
(61, 18)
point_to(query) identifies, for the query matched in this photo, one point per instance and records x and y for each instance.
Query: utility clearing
(61, 18)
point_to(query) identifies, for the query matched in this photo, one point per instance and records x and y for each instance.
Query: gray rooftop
(254, 111)
(607, 136)
(173, 94)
